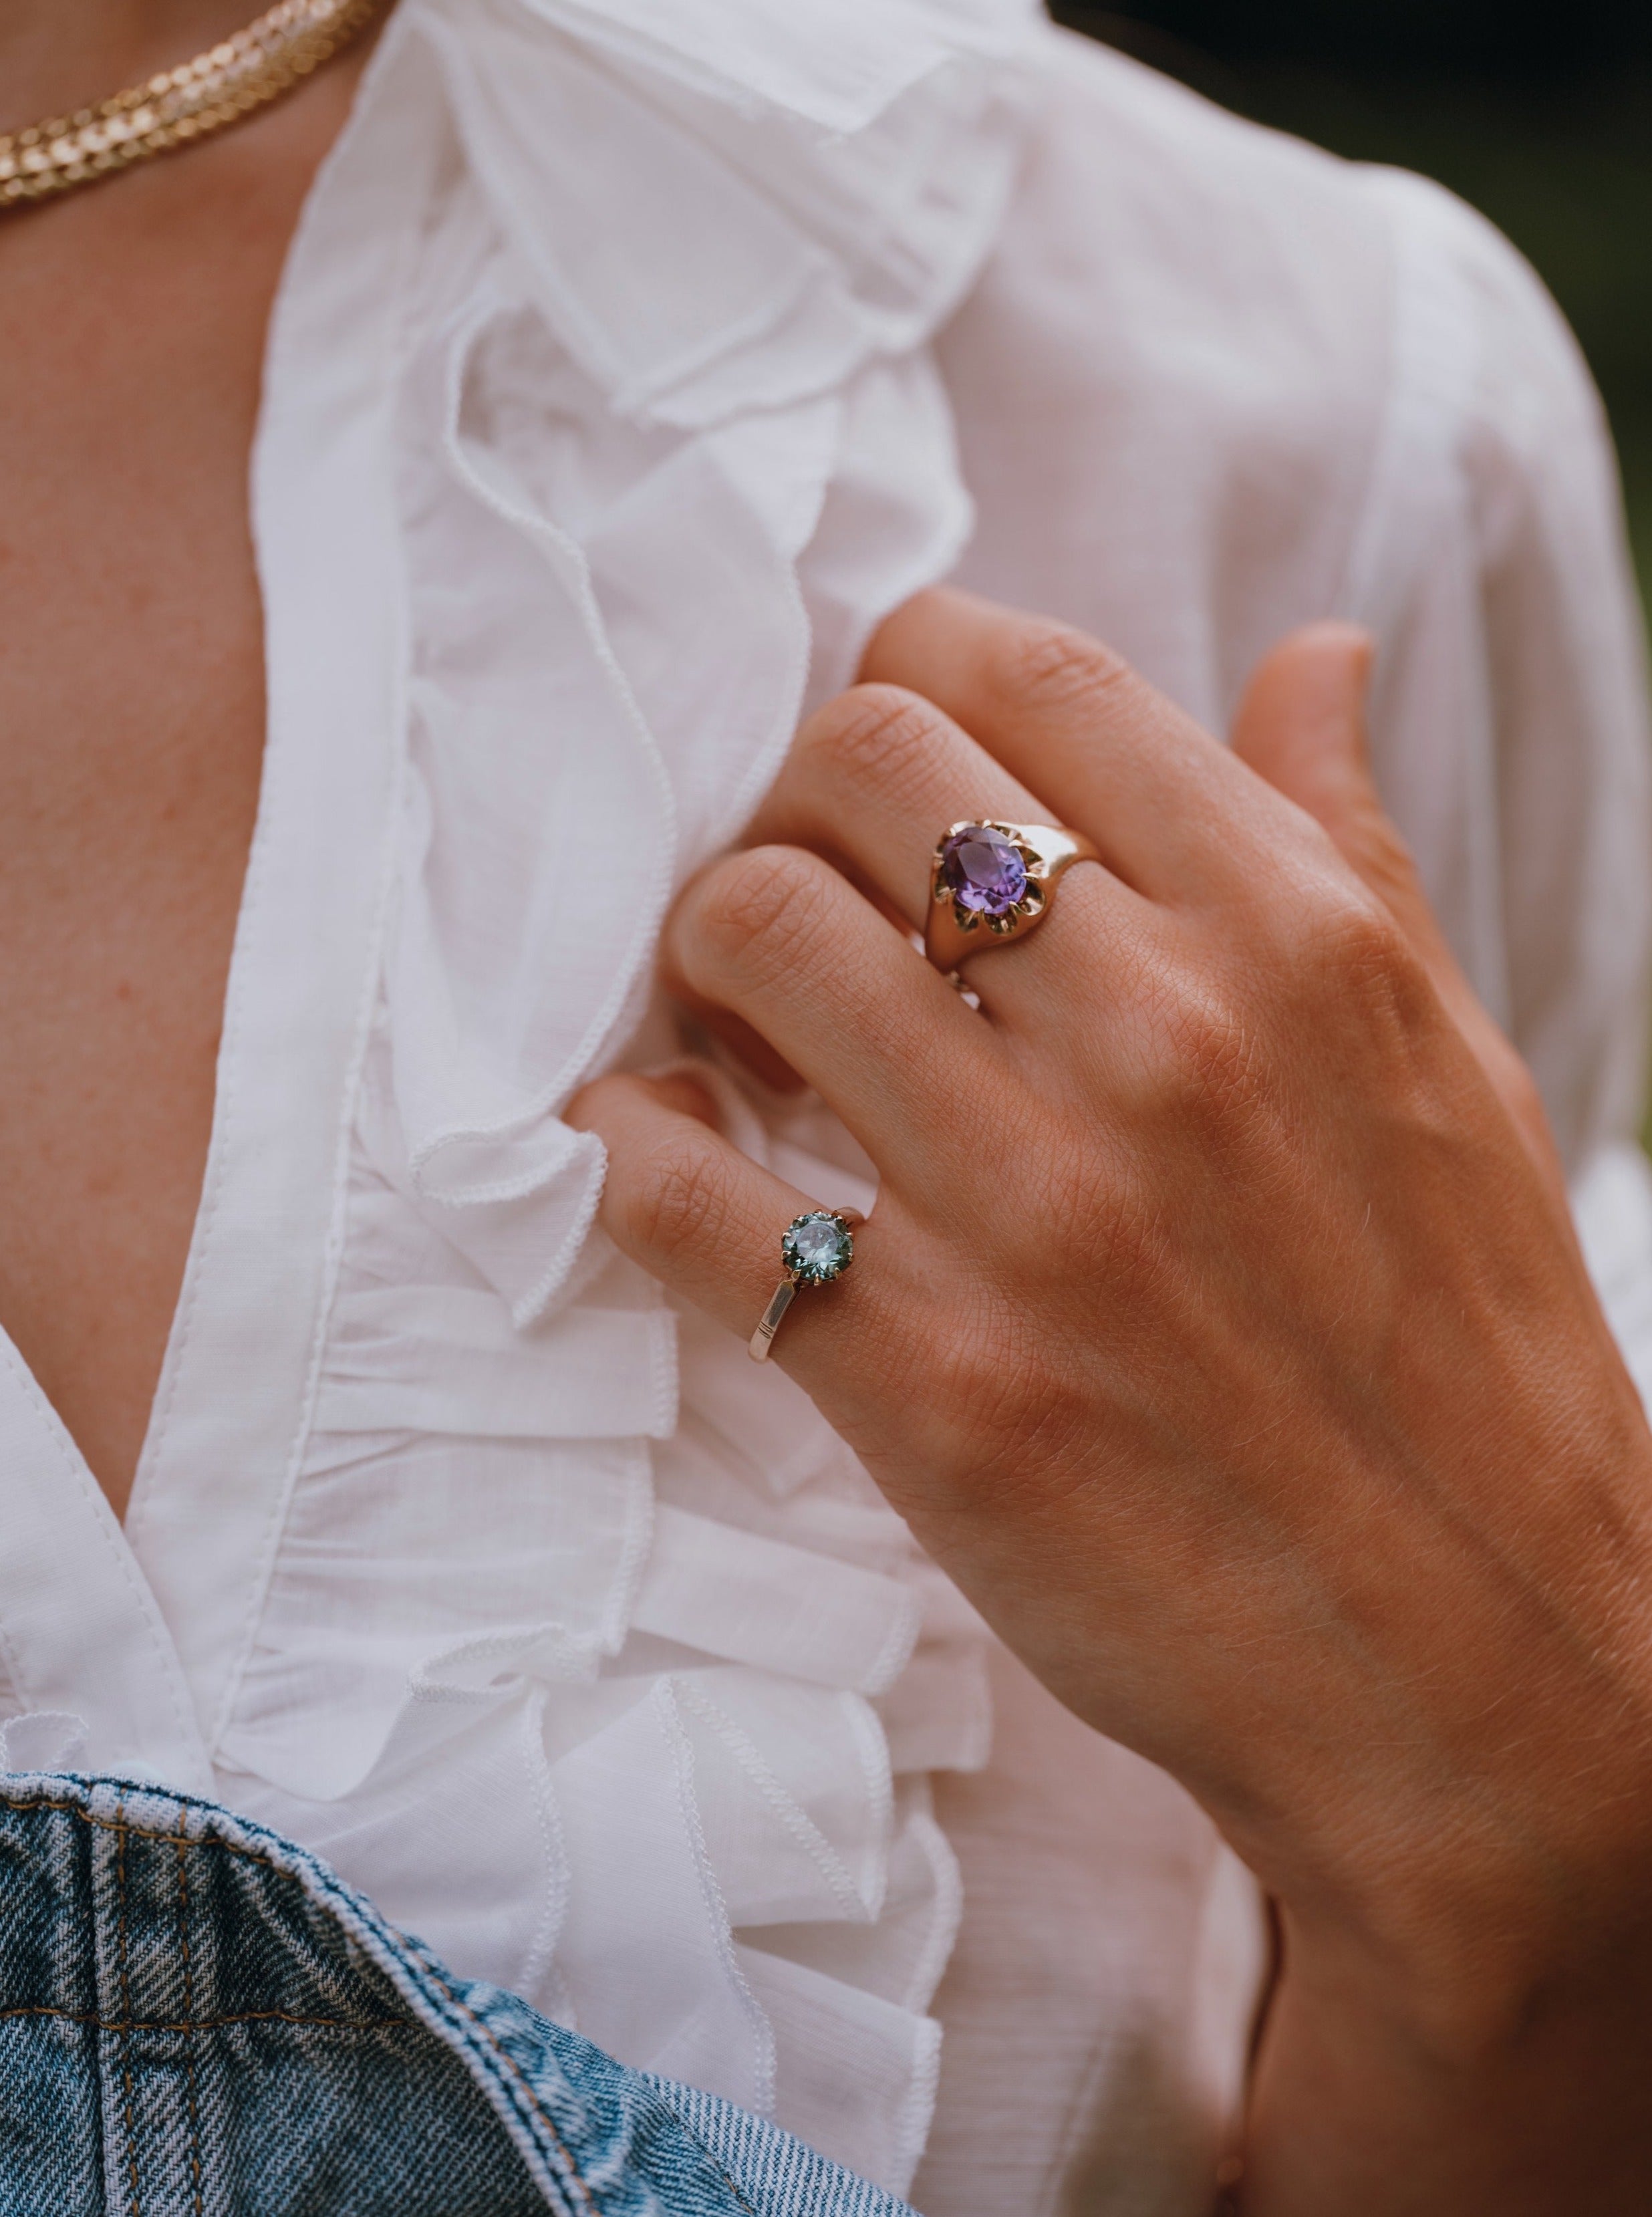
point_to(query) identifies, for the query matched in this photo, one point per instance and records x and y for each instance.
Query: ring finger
(706, 1221)
(876, 775)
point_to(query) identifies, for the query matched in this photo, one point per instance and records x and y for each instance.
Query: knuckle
(1058, 1193)
(1355, 955)
(1384, 853)
(983, 1373)
(1134, 1248)
(1517, 1090)
(1041, 664)
(1357, 997)
(877, 732)
(1015, 1403)
(755, 913)
(1215, 1055)
(674, 1201)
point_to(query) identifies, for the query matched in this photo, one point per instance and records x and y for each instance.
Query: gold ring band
(815, 1250)
(992, 882)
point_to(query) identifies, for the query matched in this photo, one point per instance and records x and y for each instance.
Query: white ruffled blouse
(603, 416)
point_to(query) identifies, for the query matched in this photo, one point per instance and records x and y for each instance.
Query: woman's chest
(132, 718)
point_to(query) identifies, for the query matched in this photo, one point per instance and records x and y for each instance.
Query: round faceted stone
(817, 1248)
(982, 871)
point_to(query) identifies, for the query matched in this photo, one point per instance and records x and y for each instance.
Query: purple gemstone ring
(992, 882)
(815, 1250)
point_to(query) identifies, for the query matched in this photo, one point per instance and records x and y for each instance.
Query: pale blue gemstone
(817, 1248)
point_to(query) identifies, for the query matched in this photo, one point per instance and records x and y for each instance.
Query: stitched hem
(126, 2006)
(191, 2076)
(327, 1891)
(214, 2023)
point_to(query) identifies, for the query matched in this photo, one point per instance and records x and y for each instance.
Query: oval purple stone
(981, 871)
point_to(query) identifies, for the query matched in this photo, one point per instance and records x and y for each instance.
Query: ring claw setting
(991, 882)
(816, 1249)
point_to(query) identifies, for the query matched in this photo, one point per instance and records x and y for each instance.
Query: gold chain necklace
(183, 105)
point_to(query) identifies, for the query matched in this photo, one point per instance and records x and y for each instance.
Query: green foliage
(1485, 38)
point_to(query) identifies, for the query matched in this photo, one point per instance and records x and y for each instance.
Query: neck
(60, 55)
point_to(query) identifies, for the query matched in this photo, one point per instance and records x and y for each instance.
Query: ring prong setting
(815, 1250)
(989, 873)
(989, 879)
(817, 1247)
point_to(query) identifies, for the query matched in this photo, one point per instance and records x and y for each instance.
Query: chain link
(180, 106)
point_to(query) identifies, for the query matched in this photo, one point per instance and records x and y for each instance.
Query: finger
(685, 1093)
(874, 780)
(749, 1047)
(783, 942)
(706, 1221)
(1302, 726)
(1302, 722)
(1171, 811)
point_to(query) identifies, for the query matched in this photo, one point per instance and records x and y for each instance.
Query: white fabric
(621, 378)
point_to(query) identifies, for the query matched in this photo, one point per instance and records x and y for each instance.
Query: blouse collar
(728, 204)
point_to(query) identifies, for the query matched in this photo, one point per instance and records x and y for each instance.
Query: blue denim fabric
(198, 2019)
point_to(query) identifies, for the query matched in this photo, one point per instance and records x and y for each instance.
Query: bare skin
(1329, 1495)
(1220, 1328)
(132, 688)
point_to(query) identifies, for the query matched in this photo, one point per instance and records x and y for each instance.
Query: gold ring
(990, 883)
(815, 1250)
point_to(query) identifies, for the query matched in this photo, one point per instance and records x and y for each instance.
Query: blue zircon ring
(990, 882)
(815, 1250)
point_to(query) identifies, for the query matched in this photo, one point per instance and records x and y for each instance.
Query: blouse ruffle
(595, 1656)
(588, 1650)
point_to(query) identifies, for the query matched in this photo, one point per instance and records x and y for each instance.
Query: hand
(1218, 1328)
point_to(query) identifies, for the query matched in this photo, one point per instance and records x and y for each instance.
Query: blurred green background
(1543, 120)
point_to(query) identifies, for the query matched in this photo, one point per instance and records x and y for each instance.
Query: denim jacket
(197, 2019)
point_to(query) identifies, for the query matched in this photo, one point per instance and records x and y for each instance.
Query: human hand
(1219, 1329)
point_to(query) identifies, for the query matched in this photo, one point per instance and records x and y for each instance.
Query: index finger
(1172, 812)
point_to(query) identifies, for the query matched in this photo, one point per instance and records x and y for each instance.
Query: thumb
(1302, 726)
(1302, 723)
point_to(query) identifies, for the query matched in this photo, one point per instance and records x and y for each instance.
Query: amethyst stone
(982, 871)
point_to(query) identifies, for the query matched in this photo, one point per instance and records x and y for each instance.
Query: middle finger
(781, 939)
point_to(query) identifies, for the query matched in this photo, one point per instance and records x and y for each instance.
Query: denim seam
(126, 2011)
(584, 2192)
(191, 2082)
(126, 2026)
(144, 1831)
(719, 2166)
